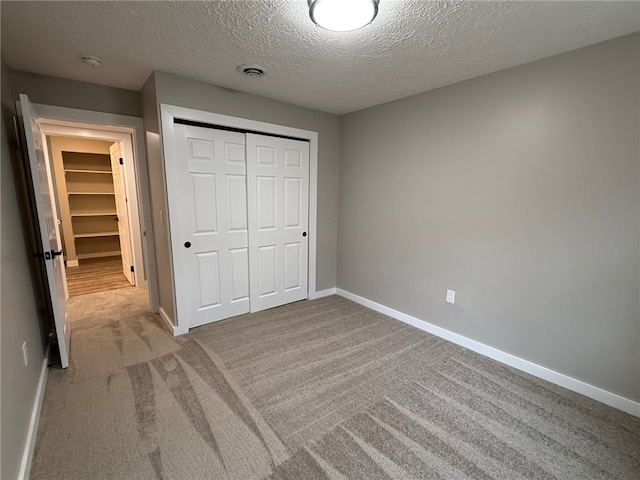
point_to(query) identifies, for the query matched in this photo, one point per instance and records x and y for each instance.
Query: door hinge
(132, 269)
(121, 161)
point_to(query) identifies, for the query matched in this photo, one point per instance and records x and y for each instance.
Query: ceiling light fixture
(91, 60)
(343, 15)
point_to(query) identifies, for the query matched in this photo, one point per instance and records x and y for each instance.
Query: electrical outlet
(450, 297)
(24, 353)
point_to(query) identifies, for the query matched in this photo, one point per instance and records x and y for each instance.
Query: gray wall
(23, 307)
(63, 92)
(180, 91)
(155, 167)
(19, 314)
(519, 190)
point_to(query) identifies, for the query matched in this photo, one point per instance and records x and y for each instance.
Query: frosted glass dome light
(343, 15)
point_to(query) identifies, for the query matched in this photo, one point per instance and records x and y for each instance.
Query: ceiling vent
(91, 60)
(253, 71)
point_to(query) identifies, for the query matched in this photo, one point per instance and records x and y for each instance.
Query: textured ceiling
(411, 47)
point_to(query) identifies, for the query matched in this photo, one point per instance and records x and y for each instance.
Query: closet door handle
(304, 234)
(187, 244)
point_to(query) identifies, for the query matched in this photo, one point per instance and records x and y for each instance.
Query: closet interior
(87, 209)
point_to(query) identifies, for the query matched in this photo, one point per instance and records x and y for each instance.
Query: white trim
(135, 127)
(570, 383)
(32, 433)
(74, 115)
(175, 330)
(168, 149)
(322, 293)
(313, 212)
(167, 115)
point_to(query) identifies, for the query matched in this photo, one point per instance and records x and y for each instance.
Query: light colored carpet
(322, 389)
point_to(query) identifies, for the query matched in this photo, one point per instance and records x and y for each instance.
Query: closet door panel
(239, 266)
(278, 206)
(206, 185)
(292, 267)
(266, 202)
(292, 202)
(266, 271)
(209, 279)
(204, 203)
(237, 203)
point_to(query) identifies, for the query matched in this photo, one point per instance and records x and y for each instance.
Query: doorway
(97, 207)
(85, 197)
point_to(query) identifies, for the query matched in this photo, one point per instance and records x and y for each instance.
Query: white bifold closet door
(239, 217)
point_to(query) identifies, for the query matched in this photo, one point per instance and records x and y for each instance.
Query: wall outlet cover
(450, 297)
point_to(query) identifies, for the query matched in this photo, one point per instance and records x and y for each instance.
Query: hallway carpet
(322, 389)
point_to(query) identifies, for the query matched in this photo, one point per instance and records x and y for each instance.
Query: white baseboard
(172, 328)
(322, 293)
(570, 383)
(32, 433)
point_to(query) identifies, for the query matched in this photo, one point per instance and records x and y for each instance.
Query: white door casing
(206, 183)
(122, 212)
(129, 171)
(278, 209)
(48, 223)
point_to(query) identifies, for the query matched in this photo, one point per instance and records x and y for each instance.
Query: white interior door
(278, 206)
(47, 219)
(206, 186)
(122, 210)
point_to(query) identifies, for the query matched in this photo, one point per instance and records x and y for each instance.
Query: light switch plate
(451, 297)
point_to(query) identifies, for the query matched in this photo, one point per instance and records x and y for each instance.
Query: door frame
(124, 139)
(168, 113)
(119, 127)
